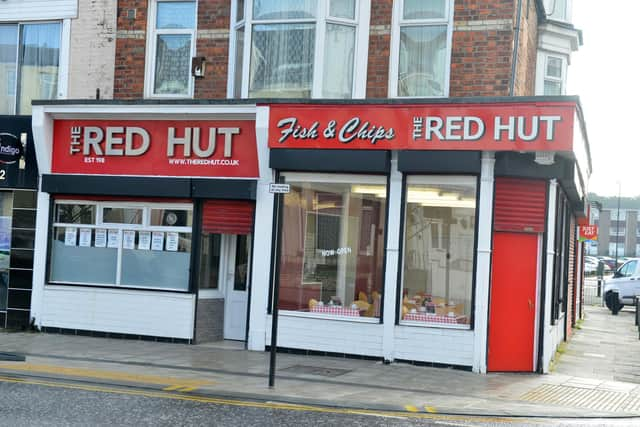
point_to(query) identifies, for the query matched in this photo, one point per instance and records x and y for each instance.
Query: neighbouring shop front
(18, 190)
(146, 225)
(420, 232)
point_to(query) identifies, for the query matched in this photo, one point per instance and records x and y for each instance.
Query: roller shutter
(520, 205)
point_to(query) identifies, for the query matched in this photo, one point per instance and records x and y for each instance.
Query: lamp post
(617, 225)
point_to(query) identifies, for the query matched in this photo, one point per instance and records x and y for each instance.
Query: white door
(237, 286)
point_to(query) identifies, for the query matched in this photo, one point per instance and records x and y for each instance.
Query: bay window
(332, 245)
(29, 64)
(121, 244)
(421, 48)
(171, 46)
(299, 49)
(554, 76)
(438, 255)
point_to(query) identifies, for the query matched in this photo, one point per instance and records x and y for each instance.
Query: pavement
(596, 374)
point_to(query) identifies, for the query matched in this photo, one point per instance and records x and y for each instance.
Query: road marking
(411, 408)
(104, 375)
(601, 356)
(265, 405)
(430, 409)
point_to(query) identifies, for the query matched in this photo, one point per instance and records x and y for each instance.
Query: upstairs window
(421, 48)
(299, 49)
(171, 46)
(554, 76)
(557, 9)
(29, 64)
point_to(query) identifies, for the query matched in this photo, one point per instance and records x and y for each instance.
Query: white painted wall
(93, 50)
(438, 345)
(550, 342)
(331, 335)
(31, 10)
(161, 314)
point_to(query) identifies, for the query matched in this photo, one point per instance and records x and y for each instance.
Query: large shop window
(29, 60)
(121, 244)
(332, 248)
(172, 27)
(421, 48)
(439, 243)
(299, 48)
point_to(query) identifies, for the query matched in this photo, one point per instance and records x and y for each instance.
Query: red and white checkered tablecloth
(337, 310)
(434, 318)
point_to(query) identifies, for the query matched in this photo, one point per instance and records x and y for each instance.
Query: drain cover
(599, 400)
(315, 370)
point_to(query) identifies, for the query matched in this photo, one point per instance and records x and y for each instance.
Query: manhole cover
(598, 400)
(315, 370)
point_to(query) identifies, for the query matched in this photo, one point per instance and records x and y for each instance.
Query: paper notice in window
(128, 239)
(144, 240)
(85, 237)
(157, 241)
(101, 238)
(70, 236)
(113, 239)
(172, 241)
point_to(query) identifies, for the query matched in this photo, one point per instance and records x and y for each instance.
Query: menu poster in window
(113, 239)
(157, 241)
(70, 236)
(144, 240)
(101, 238)
(172, 241)
(128, 239)
(85, 237)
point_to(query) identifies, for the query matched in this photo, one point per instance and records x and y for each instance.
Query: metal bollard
(637, 301)
(599, 287)
(615, 302)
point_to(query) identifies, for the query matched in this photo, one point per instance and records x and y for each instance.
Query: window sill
(418, 324)
(322, 316)
(114, 287)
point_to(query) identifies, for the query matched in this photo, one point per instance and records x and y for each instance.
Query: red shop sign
(498, 127)
(197, 148)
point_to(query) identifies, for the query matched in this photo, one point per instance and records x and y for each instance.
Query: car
(608, 261)
(626, 281)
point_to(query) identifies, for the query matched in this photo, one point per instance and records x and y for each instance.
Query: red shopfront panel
(520, 205)
(227, 217)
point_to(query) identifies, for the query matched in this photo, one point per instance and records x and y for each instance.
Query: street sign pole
(279, 189)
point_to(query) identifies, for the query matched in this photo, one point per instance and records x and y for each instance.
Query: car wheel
(608, 301)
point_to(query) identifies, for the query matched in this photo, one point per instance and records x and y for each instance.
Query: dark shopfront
(18, 191)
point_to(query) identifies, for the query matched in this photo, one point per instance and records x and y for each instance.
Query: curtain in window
(8, 65)
(39, 55)
(422, 61)
(173, 53)
(282, 60)
(338, 64)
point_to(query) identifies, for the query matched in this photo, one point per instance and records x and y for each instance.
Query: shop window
(299, 49)
(438, 255)
(29, 62)
(209, 272)
(6, 205)
(332, 245)
(172, 31)
(421, 48)
(561, 258)
(120, 244)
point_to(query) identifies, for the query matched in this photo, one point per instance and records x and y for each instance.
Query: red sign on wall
(497, 127)
(588, 232)
(195, 148)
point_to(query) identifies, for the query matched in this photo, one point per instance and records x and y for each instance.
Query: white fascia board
(151, 111)
(555, 35)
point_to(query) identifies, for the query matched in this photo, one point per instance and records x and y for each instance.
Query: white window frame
(145, 226)
(63, 58)
(567, 13)
(419, 179)
(541, 72)
(361, 24)
(150, 59)
(394, 55)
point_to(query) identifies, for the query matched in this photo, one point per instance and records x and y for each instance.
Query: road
(37, 401)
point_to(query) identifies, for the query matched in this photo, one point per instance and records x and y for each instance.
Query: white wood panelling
(337, 336)
(437, 345)
(161, 314)
(34, 10)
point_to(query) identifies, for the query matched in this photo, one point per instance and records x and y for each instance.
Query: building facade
(415, 154)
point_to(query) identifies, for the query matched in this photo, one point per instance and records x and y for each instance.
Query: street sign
(279, 188)
(588, 232)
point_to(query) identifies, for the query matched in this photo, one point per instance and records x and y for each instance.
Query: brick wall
(379, 44)
(213, 44)
(482, 48)
(130, 49)
(92, 49)
(525, 84)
